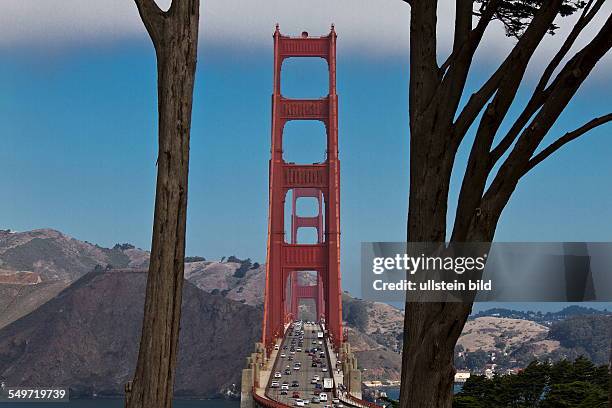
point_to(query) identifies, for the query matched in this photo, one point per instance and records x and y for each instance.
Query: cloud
(372, 27)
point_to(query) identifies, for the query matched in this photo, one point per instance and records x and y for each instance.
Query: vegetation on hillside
(564, 384)
(584, 335)
(355, 312)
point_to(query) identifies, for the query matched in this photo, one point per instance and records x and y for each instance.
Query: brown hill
(17, 300)
(235, 279)
(55, 256)
(485, 333)
(87, 338)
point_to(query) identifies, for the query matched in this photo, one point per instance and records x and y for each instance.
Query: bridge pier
(246, 391)
(352, 374)
(251, 376)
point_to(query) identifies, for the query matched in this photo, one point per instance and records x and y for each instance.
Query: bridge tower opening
(321, 181)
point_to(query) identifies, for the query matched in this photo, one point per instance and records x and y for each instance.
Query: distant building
(462, 376)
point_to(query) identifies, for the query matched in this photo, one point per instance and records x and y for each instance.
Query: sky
(78, 125)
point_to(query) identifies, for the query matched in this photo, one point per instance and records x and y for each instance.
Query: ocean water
(118, 403)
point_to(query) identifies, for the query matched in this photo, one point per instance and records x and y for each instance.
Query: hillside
(52, 255)
(87, 338)
(487, 333)
(235, 279)
(375, 332)
(17, 300)
(36, 266)
(587, 336)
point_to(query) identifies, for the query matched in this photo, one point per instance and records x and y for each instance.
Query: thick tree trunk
(431, 330)
(429, 344)
(175, 36)
(610, 381)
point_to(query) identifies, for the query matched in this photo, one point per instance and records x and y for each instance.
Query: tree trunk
(431, 329)
(610, 380)
(175, 36)
(437, 128)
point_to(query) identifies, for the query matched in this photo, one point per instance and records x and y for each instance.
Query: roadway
(306, 372)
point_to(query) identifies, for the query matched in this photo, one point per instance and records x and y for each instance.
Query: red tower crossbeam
(321, 181)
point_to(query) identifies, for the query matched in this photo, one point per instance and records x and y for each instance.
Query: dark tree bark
(437, 127)
(175, 36)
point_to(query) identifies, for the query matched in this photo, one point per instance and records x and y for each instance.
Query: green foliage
(564, 384)
(124, 247)
(574, 394)
(516, 15)
(476, 360)
(244, 267)
(355, 313)
(390, 403)
(589, 335)
(467, 402)
(189, 259)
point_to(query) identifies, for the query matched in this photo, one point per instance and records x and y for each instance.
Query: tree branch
(562, 90)
(540, 94)
(153, 18)
(505, 83)
(424, 76)
(463, 23)
(584, 19)
(512, 67)
(454, 71)
(468, 43)
(566, 138)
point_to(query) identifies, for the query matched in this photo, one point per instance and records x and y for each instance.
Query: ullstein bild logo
(432, 285)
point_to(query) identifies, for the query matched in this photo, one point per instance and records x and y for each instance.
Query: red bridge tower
(319, 180)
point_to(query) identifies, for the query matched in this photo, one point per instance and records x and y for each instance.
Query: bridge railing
(348, 398)
(267, 403)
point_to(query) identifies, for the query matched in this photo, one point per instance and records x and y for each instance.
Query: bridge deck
(284, 359)
(306, 372)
